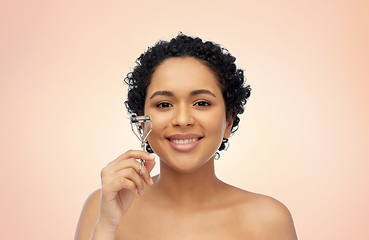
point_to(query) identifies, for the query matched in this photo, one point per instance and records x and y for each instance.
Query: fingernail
(152, 156)
(151, 182)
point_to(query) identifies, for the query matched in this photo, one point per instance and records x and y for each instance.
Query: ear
(227, 131)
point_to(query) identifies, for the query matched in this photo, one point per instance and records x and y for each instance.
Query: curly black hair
(231, 80)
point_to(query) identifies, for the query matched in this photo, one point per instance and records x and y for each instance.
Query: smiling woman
(193, 113)
(194, 93)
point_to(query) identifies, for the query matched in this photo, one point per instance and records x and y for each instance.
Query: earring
(226, 144)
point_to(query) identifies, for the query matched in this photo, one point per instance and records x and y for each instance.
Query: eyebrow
(162, 93)
(201, 91)
(193, 93)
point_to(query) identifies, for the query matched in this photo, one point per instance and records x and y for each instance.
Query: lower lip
(184, 147)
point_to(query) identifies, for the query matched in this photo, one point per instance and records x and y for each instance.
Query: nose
(183, 116)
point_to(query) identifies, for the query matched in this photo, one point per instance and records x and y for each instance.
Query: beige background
(303, 139)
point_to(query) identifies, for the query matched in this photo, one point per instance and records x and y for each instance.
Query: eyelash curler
(139, 125)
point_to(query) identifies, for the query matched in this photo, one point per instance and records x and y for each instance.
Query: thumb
(149, 164)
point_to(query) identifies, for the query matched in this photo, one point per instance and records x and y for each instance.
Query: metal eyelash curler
(140, 129)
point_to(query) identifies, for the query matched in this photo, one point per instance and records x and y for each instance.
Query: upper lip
(184, 136)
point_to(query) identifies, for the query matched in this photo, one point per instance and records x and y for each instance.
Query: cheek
(159, 119)
(214, 122)
(159, 122)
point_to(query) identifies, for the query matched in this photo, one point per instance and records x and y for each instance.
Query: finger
(119, 165)
(109, 191)
(127, 173)
(139, 167)
(137, 154)
(132, 175)
(150, 165)
(146, 168)
(145, 174)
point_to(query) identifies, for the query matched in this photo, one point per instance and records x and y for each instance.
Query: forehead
(181, 74)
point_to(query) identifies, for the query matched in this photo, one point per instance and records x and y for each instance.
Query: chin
(183, 164)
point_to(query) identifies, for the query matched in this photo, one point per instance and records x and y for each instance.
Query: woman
(193, 93)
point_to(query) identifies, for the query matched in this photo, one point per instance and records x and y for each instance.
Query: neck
(188, 191)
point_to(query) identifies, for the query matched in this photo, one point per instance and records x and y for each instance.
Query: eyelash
(202, 102)
(160, 105)
(167, 104)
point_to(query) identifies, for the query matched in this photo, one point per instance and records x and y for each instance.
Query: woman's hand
(120, 181)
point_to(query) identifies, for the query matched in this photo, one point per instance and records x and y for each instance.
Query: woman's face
(188, 113)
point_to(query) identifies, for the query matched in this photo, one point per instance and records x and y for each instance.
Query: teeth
(184, 141)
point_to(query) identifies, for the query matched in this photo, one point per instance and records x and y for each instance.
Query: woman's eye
(163, 105)
(202, 104)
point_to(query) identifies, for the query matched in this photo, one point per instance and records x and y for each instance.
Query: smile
(183, 141)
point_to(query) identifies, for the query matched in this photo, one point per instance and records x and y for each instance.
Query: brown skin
(187, 200)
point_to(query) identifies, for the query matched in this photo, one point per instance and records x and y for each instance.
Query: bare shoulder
(88, 217)
(265, 216)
